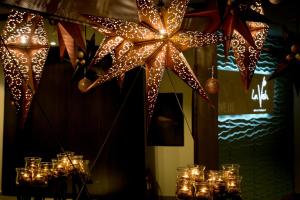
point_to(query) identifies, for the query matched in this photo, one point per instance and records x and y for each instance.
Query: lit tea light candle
(184, 193)
(201, 191)
(32, 163)
(197, 172)
(23, 176)
(26, 177)
(84, 167)
(40, 178)
(230, 170)
(65, 160)
(183, 173)
(212, 177)
(233, 185)
(77, 161)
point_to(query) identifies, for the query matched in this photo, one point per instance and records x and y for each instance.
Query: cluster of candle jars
(39, 173)
(195, 183)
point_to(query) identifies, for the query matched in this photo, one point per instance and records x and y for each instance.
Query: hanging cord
(110, 131)
(212, 68)
(177, 99)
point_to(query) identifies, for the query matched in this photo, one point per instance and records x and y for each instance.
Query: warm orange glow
(156, 42)
(23, 57)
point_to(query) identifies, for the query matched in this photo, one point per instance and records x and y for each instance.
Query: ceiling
(283, 13)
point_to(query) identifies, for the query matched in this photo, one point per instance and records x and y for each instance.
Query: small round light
(212, 86)
(80, 54)
(274, 1)
(83, 84)
(52, 43)
(162, 31)
(289, 57)
(295, 48)
(297, 56)
(24, 39)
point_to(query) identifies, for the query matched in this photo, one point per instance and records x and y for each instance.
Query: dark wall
(62, 117)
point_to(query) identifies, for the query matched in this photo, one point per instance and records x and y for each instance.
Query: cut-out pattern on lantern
(156, 42)
(24, 48)
(246, 56)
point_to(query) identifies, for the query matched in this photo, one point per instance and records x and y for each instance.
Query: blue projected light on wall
(252, 139)
(265, 65)
(248, 126)
(233, 98)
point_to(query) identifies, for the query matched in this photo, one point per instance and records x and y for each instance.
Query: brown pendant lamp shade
(24, 49)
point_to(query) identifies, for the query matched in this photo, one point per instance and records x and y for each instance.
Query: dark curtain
(61, 117)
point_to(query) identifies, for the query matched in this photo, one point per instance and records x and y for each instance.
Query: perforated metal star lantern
(155, 42)
(24, 48)
(247, 54)
(245, 28)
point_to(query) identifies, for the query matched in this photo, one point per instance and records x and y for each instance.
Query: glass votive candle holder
(233, 185)
(57, 168)
(196, 172)
(183, 173)
(32, 163)
(216, 181)
(184, 190)
(76, 161)
(230, 170)
(85, 168)
(202, 191)
(212, 176)
(46, 168)
(23, 176)
(40, 178)
(64, 159)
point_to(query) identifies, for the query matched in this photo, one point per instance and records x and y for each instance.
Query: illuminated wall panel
(260, 142)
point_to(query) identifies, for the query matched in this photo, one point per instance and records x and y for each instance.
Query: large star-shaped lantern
(156, 42)
(247, 54)
(245, 34)
(244, 26)
(24, 49)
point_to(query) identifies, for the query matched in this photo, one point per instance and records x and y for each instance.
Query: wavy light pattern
(259, 142)
(265, 65)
